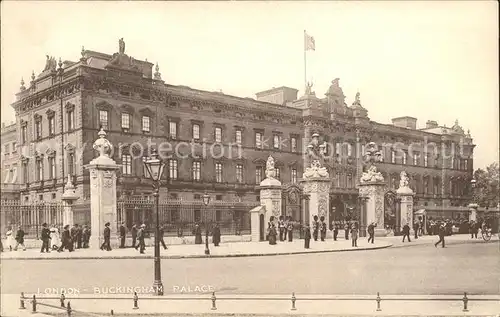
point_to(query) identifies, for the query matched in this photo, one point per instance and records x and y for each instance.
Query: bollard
(378, 302)
(136, 298)
(293, 301)
(21, 303)
(213, 301)
(62, 300)
(112, 313)
(68, 309)
(466, 301)
(34, 304)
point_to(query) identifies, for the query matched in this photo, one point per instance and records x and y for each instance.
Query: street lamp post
(155, 167)
(206, 201)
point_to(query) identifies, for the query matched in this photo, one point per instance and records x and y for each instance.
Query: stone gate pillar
(69, 197)
(102, 191)
(316, 184)
(405, 194)
(270, 193)
(371, 188)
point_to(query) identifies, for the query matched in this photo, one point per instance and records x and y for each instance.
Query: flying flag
(309, 43)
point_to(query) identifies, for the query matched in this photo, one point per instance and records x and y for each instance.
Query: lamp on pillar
(154, 167)
(206, 201)
(474, 205)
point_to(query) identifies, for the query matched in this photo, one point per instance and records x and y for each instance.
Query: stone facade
(119, 87)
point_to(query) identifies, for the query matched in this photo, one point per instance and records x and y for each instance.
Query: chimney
(405, 122)
(430, 124)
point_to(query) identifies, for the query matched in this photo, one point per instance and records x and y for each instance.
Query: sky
(430, 60)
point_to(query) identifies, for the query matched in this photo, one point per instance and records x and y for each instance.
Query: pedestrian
(55, 240)
(416, 227)
(281, 227)
(20, 239)
(406, 232)
(134, 234)
(371, 233)
(123, 233)
(271, 231)
(107, 237)
(322, 228)
(346, 229)
(66, 242)
(161, 232)
(86, 236)
(45, 237)
(354, 234)
(289, 229)
(216, 235)
(197, 234)
(140, 236)
(285, 235)
(442, 233)
(307, 236)
(315, 228)
(473, 229)
(335, 230)
(73, 232)
(79, 236)
(9, 242)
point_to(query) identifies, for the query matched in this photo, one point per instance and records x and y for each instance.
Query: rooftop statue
(121, 45)
(50, 63)
(309, 88)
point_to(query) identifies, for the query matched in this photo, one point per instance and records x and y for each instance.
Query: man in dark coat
(416, 227)
(20, 239)
(134, 234)
(281, 227)
(123, 233)
(86, 236)
(271, 231)
(79, 236)
(442, 233)
(307, 236)
(73, 232)
(160, 235)
(406, 232)
(197, 234)
(322, 228)
(216, 235)
(347, 227)
(66, 242)
(473, 229)
(371, 233)
(141, 234)
(289, 229)
(315, 228)
(45, 239)
(335, 229)
(107, 237)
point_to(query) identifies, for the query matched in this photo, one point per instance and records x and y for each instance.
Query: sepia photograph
(249, 158)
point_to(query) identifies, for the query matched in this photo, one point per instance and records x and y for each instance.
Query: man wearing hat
(140, 237)
(371, 232)
(442, 233)
(45, 238)
(107, 237)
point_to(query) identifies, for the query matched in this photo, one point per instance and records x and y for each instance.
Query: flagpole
(305, 61)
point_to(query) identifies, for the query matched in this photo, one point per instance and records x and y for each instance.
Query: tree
(487, 193)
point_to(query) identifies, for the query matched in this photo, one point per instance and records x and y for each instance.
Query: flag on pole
(309, 43)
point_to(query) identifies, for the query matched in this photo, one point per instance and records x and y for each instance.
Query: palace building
(213, 142)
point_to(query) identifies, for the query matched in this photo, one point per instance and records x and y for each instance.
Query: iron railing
(65, 304)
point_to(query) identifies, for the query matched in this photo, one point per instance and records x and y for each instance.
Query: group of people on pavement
(284, 230)
(215, 234)
(74, 238)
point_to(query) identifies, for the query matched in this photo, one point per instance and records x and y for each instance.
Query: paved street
(421, 269)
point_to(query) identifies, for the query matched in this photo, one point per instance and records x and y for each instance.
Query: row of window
(40, 168)
(51, 125)
(8, 147)
(462, 164)
(196, 171)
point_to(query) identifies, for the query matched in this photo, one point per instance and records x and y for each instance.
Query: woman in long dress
(55, 240)
(9, 242)
(272, 231)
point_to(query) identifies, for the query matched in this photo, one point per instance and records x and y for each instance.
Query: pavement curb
(202, 256)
